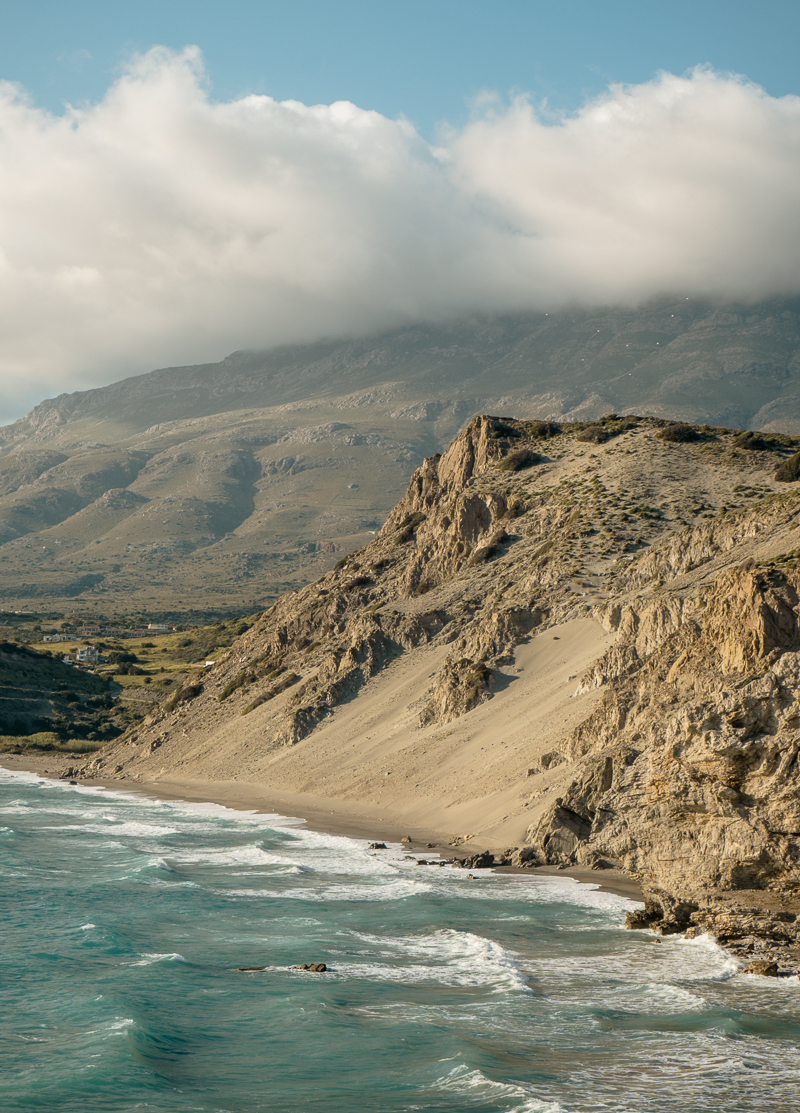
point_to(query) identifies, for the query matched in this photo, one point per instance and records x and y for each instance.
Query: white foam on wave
(448, 956)
(24, 807)
(545, 889)
(707, 957)
(250, 818)
(130, 796)
(149, 958)
(789, 986)
(161, 864)
(119, 829)
(384, 890)
(647, 966)
(248, 855)
(9, 776)
(475, 1088)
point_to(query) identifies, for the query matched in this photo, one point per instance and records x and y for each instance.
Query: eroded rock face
(690, 773)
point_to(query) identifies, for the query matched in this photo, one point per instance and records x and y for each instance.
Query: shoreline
(251, 797)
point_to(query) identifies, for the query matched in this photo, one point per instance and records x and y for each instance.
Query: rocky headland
(569, 645)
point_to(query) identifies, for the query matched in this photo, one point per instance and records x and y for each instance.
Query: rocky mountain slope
(206, 491)
(571, 644)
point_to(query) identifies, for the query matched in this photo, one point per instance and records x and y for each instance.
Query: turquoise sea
(124, 920)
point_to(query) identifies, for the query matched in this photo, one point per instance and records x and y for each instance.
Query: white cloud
(160, 227)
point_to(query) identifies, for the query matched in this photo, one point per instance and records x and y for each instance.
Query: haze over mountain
(209, 489)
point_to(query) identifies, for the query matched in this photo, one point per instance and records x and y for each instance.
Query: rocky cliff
(580, 639)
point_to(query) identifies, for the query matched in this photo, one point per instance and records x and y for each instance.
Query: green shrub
(789, 471)
(752, 442)
(501, 429)
(47, 741)
(602, 430)
(543, 429)
(679, 433)
(594, 434)
(408, 527)
(522, 458)
(516, 508)
(183, 695)
(239, 681)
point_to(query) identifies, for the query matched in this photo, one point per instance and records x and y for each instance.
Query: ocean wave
(248, 855)
(161, 864)
(149, 958)
(474, 1088)
(450, 956)
(120, 829)
(344, 894)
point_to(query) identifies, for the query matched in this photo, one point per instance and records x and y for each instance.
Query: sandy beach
(319, 815)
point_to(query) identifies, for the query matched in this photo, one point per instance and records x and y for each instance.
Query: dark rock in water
(668, 927)
(73, 782)
(470, 877)
(314, 968)
(639, 919)
(422, 862)
(429, 846)
(763, 967)
(377, 846)
(249, 969)
(480, 861)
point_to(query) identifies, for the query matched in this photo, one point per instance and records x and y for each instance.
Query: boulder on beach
(763, 967)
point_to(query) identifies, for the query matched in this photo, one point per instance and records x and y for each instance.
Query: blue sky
(426, 59)
(204, 193)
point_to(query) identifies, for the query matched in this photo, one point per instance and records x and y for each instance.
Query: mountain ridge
(247, 477)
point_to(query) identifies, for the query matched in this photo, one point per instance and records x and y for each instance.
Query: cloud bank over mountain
(160, 227)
